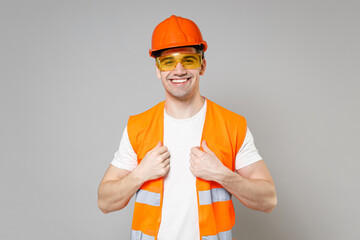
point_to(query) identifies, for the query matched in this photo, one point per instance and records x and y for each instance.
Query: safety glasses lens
(188, 61)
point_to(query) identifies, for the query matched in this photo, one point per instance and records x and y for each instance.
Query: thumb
(158, 145)
(205, 147)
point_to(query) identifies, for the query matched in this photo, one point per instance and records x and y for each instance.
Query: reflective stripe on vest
(138, 235)
(147, 197)
(213, 195)
(227, 235)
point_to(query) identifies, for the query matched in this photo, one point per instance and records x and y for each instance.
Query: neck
(182, 109)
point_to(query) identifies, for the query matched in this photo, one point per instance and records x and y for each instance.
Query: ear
(157, 72)
(203, 67)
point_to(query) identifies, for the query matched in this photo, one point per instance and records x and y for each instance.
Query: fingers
(165, 155)
(205, 147)
(166, 162)
(196, 151)
(192, 157)
(165, 166)
(159, 149)
(166, 169)
(158, 146)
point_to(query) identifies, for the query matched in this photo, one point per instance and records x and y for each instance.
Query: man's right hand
(155, 164)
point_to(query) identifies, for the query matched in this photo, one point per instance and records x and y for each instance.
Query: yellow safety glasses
(187, 60)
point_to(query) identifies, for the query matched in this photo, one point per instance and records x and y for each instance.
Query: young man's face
(181, 83)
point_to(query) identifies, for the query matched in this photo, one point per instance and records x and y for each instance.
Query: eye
(188, 61)
(168, 62)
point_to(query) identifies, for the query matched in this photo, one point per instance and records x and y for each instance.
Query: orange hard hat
(176, 32)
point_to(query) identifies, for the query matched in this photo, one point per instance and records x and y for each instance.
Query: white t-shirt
(179, 219)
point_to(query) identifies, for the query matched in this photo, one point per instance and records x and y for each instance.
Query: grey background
(73, 71)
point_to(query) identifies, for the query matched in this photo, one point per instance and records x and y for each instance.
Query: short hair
(198, 48)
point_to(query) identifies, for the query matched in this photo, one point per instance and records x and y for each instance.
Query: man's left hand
(205, 164)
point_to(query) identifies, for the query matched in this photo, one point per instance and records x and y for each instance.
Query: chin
(180, 96)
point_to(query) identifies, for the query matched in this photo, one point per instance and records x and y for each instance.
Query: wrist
(139, 176)
(222, 174)
(226, 176)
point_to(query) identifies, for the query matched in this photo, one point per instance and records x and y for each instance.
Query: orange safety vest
(224, 132)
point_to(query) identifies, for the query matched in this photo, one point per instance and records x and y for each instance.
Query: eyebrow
(190, 57)
(167, 58)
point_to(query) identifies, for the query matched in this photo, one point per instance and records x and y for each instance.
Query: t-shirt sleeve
(248, 153)
(125, 157)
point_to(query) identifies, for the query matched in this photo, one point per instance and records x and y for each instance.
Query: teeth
(179, 80)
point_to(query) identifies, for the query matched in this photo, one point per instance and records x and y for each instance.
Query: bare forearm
(258, 194)
(115, 195)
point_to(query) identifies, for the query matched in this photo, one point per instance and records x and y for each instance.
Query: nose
(179, 69)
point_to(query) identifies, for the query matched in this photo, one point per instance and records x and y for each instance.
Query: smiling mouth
(179, 81)
(182, 80)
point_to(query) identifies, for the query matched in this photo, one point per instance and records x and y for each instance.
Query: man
(185, 157)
